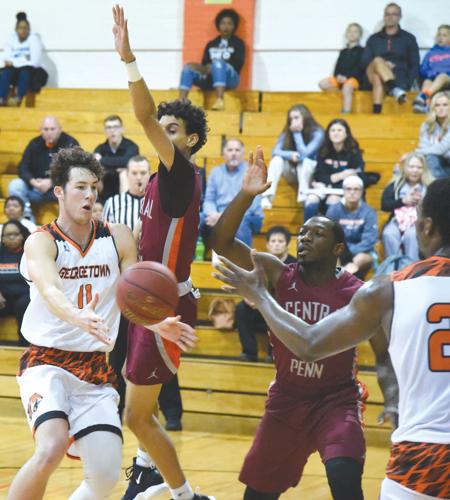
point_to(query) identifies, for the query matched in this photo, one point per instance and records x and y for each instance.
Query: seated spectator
(222, 61)
(14, 291)
(14, 210)
(34, 184)
(348, 70)
(223, 184)
(294, 154)
(124, 208)
(114, 154)
(391, 59)
(249, 321)
(23, 52)
(359, 222)
(434, 137)
(97, 211)
(338, 158)
(401, 198)
(434, 70)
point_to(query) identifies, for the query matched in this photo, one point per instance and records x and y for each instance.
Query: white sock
(183, 492)
(143, 459)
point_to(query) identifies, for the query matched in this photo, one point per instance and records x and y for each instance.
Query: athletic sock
(183, 492)
(376, 109)
(143, 459)
(389, 84)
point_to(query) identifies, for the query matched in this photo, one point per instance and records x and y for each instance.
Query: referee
(124, 208)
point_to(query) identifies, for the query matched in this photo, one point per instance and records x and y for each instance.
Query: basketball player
(311, 406)
(169, 229)
(66, 385)
(413, 310)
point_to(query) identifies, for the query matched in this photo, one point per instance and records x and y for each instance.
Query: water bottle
(199, 249)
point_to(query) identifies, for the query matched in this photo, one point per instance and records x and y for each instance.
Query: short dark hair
(138, 159)
(279, 230)
(15, 198)
(194, 118)
(436, 205)
(113, 118)
(231, 13)
(22, 229)
(393, 4)
(67, 158)
(21, 16)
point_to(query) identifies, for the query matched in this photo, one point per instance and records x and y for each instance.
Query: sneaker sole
(152, 491)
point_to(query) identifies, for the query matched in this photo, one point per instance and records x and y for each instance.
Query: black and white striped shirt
(123, 208)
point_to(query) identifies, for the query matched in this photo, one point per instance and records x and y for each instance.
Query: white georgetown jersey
(83, 273)
(420, 350)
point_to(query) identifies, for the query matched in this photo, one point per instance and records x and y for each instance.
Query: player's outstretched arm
(337, 332)
(40, 254)
(143, 103)
(176, 331)
(224, 232)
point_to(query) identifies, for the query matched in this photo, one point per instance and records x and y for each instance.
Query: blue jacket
(305, 150)
(360, 227)
(435, 61)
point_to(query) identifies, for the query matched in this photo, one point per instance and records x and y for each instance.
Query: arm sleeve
(309, 150)
(368, 54)
(279, 151)
(388, 201)
(322, 173)
(209, 201)
(424, 69)
(439, 148)
(369, 235)
(35, 51)
(238, 58)
(206, 59)
(357, 161)
(25, 164)
(337, 68)
(413, 60)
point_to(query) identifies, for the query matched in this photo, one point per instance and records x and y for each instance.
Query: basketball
(147, 293)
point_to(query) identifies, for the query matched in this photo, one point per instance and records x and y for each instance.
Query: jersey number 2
(85, 290)
(438, 361)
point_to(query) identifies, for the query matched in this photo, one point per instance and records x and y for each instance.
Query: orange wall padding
(199, 28)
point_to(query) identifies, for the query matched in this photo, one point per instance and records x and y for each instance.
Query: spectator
(434, 70)
(97, 211)
(114, 154)
(14, 291)
(359, 222)
(401, 198)
(248, 319)
(434, 137)
(348, 70)
(14, 210)
(125, 208)
(34, 184)
(222, 61)
(295, 153)
(23, 52)
(391, 59)
(223, 184)
(338, 158)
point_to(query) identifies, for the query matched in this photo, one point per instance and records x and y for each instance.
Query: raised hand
(255, 178)
(176, 331)
(120, 32)
(91, 322)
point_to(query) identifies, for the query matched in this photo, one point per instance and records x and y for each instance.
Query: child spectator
(338, 158)
(23, 52)
(14, 291)
(401, 198)
(359, 222)
(14, 210)
(294, 154)
(348, 70)
(434, 138)
(435, 69)
(222, 61)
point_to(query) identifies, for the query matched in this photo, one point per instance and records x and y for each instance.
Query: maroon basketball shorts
(292, 428)
(152, 360)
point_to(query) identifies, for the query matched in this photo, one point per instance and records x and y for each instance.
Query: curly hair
(194, 119)
(350, 143)
(231, 13)
(436, 205)
(67, 158)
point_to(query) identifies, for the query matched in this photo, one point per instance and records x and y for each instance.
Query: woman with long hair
(14, 291)
(434, 138)
(401, 197)
(338, 158)
(294, 153)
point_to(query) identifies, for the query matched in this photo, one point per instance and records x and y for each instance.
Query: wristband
(133, 71)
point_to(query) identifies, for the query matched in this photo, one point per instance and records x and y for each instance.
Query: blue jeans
(20, 188)
(250, 225)
(222, 75)
(14, 76)
(438, 165)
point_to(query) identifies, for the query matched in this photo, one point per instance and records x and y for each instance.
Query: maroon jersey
(311, 304)
(170, 216)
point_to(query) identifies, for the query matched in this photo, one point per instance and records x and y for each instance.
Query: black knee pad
(344, 477)
(251, 494)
